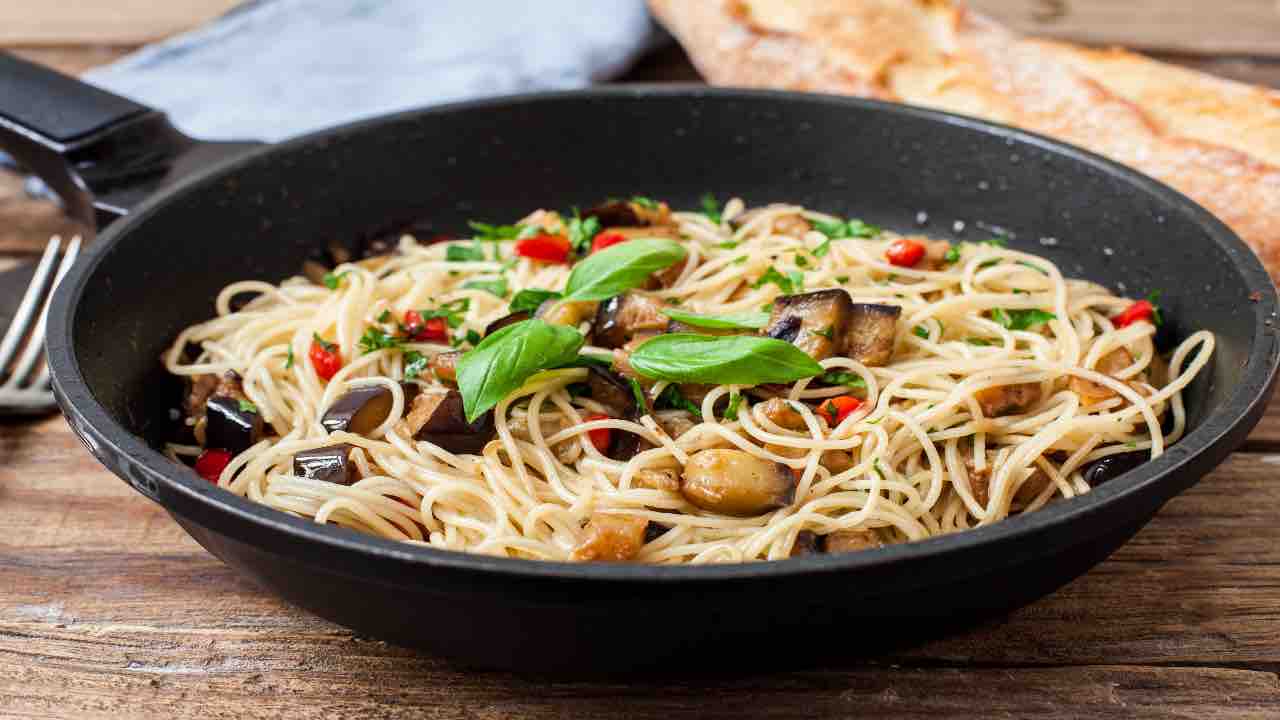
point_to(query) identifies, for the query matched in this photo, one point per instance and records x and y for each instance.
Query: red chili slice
(607, 239)
(325, 358)
(837, 409)
(1141, 310)
(211, 463)
(600, 437)
(547, 248)
(904, 252)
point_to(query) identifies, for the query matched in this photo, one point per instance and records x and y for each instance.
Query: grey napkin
(277, 68)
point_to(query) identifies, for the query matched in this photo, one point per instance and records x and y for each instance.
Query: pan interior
(905, 170)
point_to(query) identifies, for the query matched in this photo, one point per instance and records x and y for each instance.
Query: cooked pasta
(999, 385)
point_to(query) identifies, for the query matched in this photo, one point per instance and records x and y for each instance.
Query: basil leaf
(842, 377)
(782, 281)
(502, 362)
(496, 287)
(644, 202)
(952, 255)
(529, 300)
(621, 267)
(732, 321)
(727, 360)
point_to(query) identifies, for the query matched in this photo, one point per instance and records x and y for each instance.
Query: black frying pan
(257, 216)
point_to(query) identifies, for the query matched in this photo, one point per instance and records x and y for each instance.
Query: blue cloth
(277, 68)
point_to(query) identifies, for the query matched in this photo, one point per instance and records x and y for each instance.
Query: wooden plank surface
(1231, 27)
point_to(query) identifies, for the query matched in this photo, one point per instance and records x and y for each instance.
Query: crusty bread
(1216, 140)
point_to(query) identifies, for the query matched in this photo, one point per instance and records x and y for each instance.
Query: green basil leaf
(731, 321)
(495, 233)
(377, 339)
(671, 397)
(502, 362)
(529, 300)
(496, 287)
(619, 268)
(644, 202)
(782, 281)
(582, 232)
(727, 360)
(1021, 319)
(844, 377)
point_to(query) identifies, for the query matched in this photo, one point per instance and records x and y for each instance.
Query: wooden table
(108, 610)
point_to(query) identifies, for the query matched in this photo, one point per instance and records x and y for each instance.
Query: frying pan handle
(96, 150)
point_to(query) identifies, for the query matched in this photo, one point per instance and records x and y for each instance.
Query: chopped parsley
(638, 393)
(850, 380)
(731, 411)
(470, 336)
(582, 232)
(787, 283)
(248, 407)
(823, 248)
(1157, 317)
(497, 286)
(1021, 319)
(496, 233)
(711, 208)
(415, 364)
(921, 332)
(324, 344)
(839, 229)
(728, 244)
(384, 316)
(800, 261)
(995, 242)
(1033, 266)
(827, 332)
(451, 312)
(952, 255)
(332, 281)
(644, 202)
(740, 259)
(842, 279)
(465, 253)
(375, 339)
(672, 397)
(981, 342)
(288, 360)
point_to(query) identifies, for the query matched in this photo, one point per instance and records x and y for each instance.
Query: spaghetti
(1006, 383)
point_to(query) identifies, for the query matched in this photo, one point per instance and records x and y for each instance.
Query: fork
(22, 393)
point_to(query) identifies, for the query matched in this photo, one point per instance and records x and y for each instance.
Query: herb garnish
(582, 232)
(1021, 319)
(839, 229)
(332, 281)
(497, 286)
(621, 267)
(711, 208)
(726, 360)
(465, 253)
(375, 339)
(730, 321)
(246, 406)
(529, 300)
(672, 397)
(415, 363)
(843, 377)
(497, 233)
(502, 362)
(731, 411)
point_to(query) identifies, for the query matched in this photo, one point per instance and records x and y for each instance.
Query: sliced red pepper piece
(607, 239)
(1141, 310)
(836, 409)
(547, 248)
(600, 437)
(904, 252)
(325, 358)
(211, 463)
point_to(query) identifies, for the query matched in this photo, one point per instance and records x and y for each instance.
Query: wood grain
(116, 22)
(1190, 26)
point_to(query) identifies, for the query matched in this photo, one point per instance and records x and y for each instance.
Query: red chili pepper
(904, 252)
(607, 238)
(325, 358)
(1141, 310)
(432, 329)
(600, 437)
(837, 409)
(211, 463)
(547, 248)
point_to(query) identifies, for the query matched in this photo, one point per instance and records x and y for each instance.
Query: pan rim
(1214, 438)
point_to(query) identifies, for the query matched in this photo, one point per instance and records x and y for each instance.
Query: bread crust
(1216, 140)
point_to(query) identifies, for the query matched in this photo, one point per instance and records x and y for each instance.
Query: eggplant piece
(506, 320)
(818, 322)
(1003, 400)
(439, 418)
(654, 530)
(445, 366)
(1111, 466)
(611, 538)
(331, 463)
(199, 388)
(622, 317)
(621, 213)
(873, 331)
(613, 391)
(843, 541)
(806, 544)
(734, 482)
(1109, 364)
(232, 424)
(362, 409)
